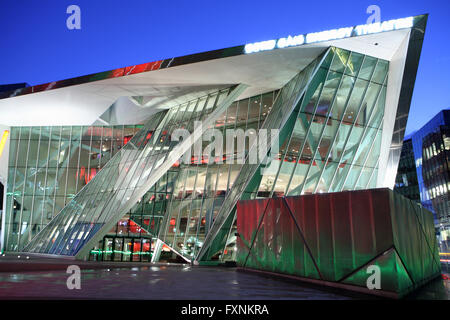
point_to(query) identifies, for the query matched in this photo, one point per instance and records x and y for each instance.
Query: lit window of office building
(436, 175)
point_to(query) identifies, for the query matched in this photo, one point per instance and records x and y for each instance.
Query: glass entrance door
(118, 243)
(108, 249)
(127, 249)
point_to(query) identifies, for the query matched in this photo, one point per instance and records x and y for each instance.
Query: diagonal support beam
(276, 119)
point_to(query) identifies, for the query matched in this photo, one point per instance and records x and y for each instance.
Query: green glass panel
(327, 176)
(346, 156)
(364, 177)
(269, 178)
(354, 63)
(254, 109)
(13, 144)
(35, 133)
(15, 133)
(22, 153)
(351, 178)
(215, 251)
(342, 96)
(379, 110)
(313, 92)
(368, 104)
(25, 133)
(328, 93)
(380, 71)
(29, 182)
(339, 60)
(312, 178)
(327, 139)
(367, 68)
(10, 182)
(19, 180)
(366, 146)
(328, 58)
(355, 100)
(373, 156)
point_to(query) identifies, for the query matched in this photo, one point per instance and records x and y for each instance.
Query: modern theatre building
(150, 162)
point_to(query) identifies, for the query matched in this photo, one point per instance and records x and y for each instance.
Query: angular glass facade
(128, 176)
(202, 186)
(189, 195)
(148, 203)
(48, 166)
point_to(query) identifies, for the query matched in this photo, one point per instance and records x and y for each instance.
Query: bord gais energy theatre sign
(333, 34)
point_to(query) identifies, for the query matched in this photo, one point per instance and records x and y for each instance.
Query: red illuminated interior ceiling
(205, 160)
(126, 139)
(82, 173)
(145, 247)
(147, 222)
(135, 228)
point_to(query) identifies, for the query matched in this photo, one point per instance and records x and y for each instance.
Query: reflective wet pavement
(175, 282)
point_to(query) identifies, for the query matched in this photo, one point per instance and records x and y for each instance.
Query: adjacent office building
(430, 147)
(148, 162)
(436, 177)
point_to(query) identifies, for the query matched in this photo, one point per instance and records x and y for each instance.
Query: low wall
(373, 241)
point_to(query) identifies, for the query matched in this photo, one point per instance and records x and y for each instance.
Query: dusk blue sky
(36, 46)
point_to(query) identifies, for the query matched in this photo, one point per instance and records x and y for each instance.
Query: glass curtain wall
(141, 225)
(202, 185)
(335, 142)
(189, 194)
(249, 174)
(331, 142)
(330, 119)
(48, 166)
